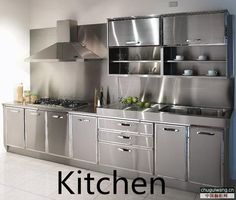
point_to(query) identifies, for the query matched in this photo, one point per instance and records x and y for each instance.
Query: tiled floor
(25, 178)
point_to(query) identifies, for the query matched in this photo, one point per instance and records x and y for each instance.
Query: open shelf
(134, 61)
(196, 61)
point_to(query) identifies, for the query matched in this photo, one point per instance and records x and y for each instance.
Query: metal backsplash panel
(77, 80)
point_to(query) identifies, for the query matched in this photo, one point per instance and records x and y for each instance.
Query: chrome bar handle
(84, 120)
(132, 42)
(14, 111)
(125, 150)
(57, 117)
(124, 124)
(171, 130)
(205, 133)
(124, 137)
(34, 113)
(193, 40)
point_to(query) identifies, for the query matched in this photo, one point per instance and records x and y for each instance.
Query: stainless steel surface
(134, 32)
(171, 151)
(84, 138)
(35, 130)
(71, 45)
(124, 138)
(194, 29)
(205, 156)
(125, 126)
(14, 127)
(126, 157)
(58, 135)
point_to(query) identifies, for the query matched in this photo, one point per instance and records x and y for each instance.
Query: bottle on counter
(101, 97)
(19, 91)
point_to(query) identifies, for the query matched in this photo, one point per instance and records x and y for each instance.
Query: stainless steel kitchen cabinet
(171, 151)
(133, 32)
(57, 133)
(190, 29)
(35, 130)
(14, 126)
(84, 138)
(124, 157)
(205, 156)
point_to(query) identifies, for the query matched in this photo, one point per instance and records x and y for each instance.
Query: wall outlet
(173, 4)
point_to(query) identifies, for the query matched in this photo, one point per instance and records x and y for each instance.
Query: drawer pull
(171, 129)
(125, 150)
(193, 40)
(57, 117)
(84, 120)
(14, 111)
(124, 124)
(124, 137)
(132, 42)
(34, 114)
(205, 133)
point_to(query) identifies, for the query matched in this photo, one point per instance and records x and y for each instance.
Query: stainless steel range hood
(68, 47)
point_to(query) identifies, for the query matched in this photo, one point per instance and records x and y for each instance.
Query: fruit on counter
(147, 105)
(140, 104)
(129, 100)
(134, 99)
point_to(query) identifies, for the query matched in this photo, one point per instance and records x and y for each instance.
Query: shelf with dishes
(196, 61)
(135, 61)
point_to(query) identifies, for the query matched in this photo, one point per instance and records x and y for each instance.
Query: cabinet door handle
(125, 150)
(124, 137)
(84, 120)
(171, 129)
(14, 111)
(57, 117)
(132, 42)
(205, 133)
(193, 40)
(34, 113)
(124, 124)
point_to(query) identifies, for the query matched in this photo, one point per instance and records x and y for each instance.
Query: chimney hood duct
(67, 48)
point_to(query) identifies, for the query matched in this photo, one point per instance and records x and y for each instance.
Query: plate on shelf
(187, 74)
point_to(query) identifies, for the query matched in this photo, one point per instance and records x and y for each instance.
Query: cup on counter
(212, 72)
(179, 57)
(202, 57)
(188, 72)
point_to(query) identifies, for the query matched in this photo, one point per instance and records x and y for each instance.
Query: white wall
(14, 47)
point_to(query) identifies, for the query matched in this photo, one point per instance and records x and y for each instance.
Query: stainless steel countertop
(123, 112)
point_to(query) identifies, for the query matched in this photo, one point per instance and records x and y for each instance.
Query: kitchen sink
(206, 112)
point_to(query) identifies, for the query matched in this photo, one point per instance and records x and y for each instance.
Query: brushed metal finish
(124, 138)
(205, 156)
(184, 29)
(58, 135)
(134, 32)
(14, 127)
(171, 151)
(35, 130)
(125, 126)
(126, 157)
(84, 138)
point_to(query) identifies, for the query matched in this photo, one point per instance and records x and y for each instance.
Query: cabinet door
(35, 130)
(205, 151)
(84, 138)
(14, 127)
(171, 145)
(58, 135)
(134, 32)
(194, 29)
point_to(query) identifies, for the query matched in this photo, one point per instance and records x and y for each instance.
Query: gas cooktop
(65, 103)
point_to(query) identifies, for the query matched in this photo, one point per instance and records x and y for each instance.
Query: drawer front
(124, 125)
(126, 139)
(125, 157)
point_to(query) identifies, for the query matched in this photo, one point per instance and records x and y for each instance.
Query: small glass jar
(27, 96)
(34, 97)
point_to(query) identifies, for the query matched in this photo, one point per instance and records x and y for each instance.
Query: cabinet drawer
(125, 157)
(123, 125)
(126, 139)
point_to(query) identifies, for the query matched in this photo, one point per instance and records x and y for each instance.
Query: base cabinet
(205, 156)
(84, 138)
(14, 126)
(57, 133)
(35, 130)
(171, 151)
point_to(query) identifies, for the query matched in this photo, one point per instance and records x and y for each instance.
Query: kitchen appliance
(72, 45)
(65, 103)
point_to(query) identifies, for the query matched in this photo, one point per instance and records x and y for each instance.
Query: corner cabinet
(14, 127)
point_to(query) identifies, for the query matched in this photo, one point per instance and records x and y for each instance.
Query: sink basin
(184, 110)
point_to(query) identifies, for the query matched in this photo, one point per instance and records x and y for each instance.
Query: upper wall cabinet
(195, 29)
(133, 31)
